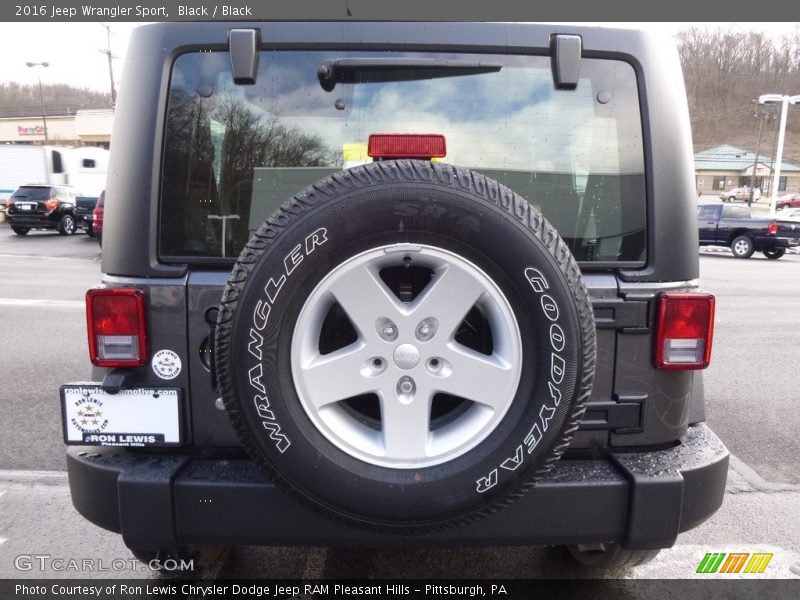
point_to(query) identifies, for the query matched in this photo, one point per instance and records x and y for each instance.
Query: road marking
(755, 481)
(38, 302)
(11, 477)
(49, 257)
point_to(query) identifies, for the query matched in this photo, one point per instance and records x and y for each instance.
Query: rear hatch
(234, 153)
(30, 201)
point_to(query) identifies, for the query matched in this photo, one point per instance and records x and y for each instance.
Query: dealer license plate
(137, 417)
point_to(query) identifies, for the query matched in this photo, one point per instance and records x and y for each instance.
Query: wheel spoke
(406, 353)
(448, 297)
(483, 379)
(406, 427)
(365, 298)
(337, 376)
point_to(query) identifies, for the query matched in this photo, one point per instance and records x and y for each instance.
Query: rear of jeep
(393, 284)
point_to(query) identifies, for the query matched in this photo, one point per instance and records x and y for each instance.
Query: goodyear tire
(405, 346)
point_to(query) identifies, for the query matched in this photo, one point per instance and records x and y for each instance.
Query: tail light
(684, 331)
(406, 145)
(772, 229)
(51, 205)
(117, 327)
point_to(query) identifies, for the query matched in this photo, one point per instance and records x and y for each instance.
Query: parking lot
(751, 390)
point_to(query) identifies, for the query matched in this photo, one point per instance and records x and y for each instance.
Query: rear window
(735, 212)
(33, 193)
(232, 154)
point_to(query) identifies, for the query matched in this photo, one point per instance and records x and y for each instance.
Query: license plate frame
(132, 418)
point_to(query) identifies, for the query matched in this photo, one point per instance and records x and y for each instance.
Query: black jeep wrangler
(379, 284)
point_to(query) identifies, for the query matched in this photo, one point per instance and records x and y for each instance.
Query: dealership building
(82, 128)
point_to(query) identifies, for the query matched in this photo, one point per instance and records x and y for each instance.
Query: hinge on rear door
(565, 60)
(622, 415)
(243, 45)
(625, 315)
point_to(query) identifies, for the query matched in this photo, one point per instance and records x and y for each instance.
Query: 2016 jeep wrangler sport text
(398, 283)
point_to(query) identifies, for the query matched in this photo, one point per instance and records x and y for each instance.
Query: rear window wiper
(345, 70)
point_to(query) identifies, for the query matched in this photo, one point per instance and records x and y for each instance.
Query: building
(725, 167)
(83, 128)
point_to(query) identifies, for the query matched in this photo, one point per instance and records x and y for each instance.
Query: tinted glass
(33, 193)
(735, 212)
(233, 154)
(707, 212)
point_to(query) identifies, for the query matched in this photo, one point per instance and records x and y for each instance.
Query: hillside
(725, 73)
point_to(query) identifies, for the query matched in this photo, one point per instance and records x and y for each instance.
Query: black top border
(630, 11)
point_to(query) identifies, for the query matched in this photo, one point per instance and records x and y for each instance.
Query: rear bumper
(641, 499)
(83, 220)
(781, 242)
(33, 221)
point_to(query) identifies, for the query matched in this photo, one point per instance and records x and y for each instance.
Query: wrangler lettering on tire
(423, 363)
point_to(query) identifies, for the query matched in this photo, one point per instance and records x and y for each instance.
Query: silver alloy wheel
(405, 354)
(69, 225)
(741, 247)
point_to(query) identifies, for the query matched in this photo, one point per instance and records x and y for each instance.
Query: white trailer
(83, 168)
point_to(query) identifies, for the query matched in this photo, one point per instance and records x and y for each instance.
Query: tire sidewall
(745, 254)
(525, 442)
(64, 227)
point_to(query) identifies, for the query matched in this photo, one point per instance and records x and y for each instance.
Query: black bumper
(33, 221)
(641, 499)
(782, 242)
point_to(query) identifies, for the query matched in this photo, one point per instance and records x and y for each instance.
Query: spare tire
(405, 346)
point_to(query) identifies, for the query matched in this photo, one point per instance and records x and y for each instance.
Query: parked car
(84, 209)
(361, 345)
(788, 201)
(734, 227)
(740, 194)
(790, 214)
(97, 217)
(42, 207)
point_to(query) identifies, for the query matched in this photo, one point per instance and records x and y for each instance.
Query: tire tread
(410, 171)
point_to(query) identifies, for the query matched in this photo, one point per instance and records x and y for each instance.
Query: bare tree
(725, 72)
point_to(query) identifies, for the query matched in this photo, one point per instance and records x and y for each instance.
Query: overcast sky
(73, 49)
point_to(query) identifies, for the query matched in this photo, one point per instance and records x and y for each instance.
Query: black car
(394, 284)
(84, 213)
(36, 206)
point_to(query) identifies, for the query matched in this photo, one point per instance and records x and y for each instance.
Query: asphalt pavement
(751, 390)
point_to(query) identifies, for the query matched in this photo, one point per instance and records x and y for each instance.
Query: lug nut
(405, 390)
(426, 329)
(386, 329)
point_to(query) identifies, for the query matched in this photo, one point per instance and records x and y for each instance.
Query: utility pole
(41, 93)
(110, 56)
(755, 160)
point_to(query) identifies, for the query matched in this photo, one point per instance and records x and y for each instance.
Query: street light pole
(755, 161)
(776, 180)
(41, 93)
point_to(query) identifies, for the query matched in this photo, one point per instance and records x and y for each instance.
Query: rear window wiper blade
(345, 70)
